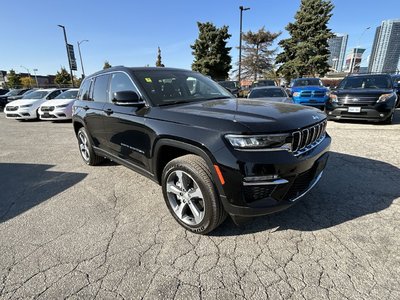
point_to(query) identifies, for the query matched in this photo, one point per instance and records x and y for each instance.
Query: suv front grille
(300, 184)
(308, 138)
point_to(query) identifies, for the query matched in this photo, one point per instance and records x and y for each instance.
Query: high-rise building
(386, 48)
(337, 49)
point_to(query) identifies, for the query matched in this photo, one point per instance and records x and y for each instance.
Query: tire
(190, 194)
(86, 149)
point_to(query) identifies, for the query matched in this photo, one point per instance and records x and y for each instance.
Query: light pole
(240, 40)
(354, 57)
(66, 47)
(80, 56)
(29, 74)
(34, 72)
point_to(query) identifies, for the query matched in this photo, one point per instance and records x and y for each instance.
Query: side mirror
(126, 98)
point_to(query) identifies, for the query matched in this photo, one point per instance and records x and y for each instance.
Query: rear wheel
(86, 149)
(190, 194)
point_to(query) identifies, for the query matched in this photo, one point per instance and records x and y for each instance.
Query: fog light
(381, 115)
(330, 113)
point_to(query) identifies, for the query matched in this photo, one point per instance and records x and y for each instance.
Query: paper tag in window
(148, 80)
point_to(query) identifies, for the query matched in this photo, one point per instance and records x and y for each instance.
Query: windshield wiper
(218, 97)
(175, 102)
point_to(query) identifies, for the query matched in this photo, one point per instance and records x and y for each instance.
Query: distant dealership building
(353, 60)
(337, 49)
(386, 48)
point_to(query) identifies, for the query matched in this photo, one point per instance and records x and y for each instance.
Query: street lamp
(66, 47)
(80, 56)
(34, 72)
(29, 74)
(240, 40)
(354, 58)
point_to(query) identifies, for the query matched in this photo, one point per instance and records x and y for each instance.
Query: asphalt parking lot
(68, 230)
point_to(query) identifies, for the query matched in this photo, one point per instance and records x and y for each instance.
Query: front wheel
(86, 149)
(190, 194)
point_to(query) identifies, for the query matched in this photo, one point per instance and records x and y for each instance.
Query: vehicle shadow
(24, 186)
(351, 187)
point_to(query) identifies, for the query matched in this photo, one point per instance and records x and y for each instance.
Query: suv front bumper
(293, 177)
(372, 112)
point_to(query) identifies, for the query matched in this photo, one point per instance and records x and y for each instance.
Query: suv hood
(241, 115)
(309, 88)
(55, 102)
(24, 102)
(362, 92)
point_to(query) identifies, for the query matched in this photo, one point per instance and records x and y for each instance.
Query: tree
(62, 77)
(306, 51)
(211, 55)
(106, 65)
(257, 58)
(158, 62)
(13, 80)
(27, 82)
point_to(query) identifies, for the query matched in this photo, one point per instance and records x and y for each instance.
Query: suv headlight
(333, 98)
(384, 97)
(260, 141)
(295, 94)
(60, 106)
(27, 105)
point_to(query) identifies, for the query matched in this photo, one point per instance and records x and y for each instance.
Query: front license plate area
(354, 109)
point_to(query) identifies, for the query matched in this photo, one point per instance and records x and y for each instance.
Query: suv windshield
(13, 93)
(261, 93)
(307, 82)
(366, 82)
(35, 95)
(166, 87)
(68, 95)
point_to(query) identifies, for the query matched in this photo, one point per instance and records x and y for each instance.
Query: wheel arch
(167, 149)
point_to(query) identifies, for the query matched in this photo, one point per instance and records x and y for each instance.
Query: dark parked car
(213, 154)
(262, 82)
(396, 82)
(370, 97)
(3, 91)
(270, 93)
(12, 95)
(231, 86)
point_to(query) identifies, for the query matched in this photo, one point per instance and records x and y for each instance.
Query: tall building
(337, 49)
(386, 48)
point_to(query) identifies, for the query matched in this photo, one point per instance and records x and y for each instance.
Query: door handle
(109, 111)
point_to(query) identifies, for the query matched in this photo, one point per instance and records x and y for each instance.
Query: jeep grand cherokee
(213, 154)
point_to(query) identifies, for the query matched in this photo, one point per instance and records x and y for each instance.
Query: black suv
(212, 153)
(370, 97)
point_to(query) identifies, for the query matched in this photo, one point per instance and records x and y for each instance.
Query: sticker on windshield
(148, 80)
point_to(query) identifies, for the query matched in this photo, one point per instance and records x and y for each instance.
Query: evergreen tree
(306, 51)
(13, 80)
(211, 55)
(158, 62)
(106, 65)
(62, 77)
(27, 82)
(257, 58)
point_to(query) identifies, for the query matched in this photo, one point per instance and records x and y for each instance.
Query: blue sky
(128, 32)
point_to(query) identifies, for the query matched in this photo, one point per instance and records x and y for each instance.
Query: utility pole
(240, 40)
(80, 56)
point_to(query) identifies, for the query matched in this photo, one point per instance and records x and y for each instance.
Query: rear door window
(100, 89)
(84, 91)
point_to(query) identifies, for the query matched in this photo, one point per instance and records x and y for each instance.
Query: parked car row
(371, 97)
(46, 104)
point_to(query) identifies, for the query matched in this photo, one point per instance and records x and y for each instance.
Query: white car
(60, 108)
(27, 107)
